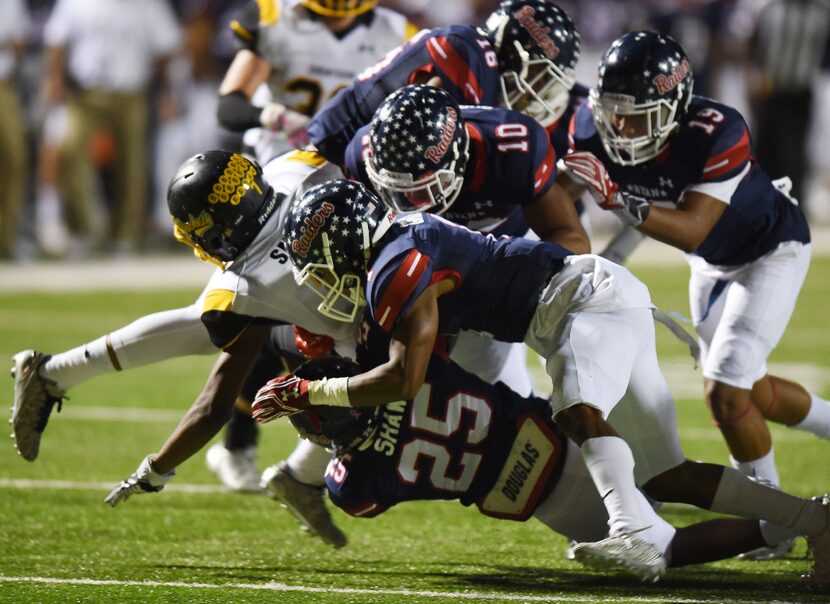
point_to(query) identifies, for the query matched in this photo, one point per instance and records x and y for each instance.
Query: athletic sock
(308, 462)
(762, 469)
(156, 337)
(740, 496)
(817, 420)
(611, 465)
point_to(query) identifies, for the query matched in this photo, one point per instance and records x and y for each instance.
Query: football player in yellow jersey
(294, 56)
(302, 52)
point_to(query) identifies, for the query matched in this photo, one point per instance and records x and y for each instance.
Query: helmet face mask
(433, 191)
(329, 235)
(537, 46)
(418, 150)
(643, 91)
(342, 295)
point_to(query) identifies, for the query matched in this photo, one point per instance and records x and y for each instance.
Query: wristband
(329, 391)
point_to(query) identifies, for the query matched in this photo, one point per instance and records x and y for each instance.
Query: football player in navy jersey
(489, 169)
(589, 318)
(523, 59)
(461, 438)
(682, 169)
(492, 170)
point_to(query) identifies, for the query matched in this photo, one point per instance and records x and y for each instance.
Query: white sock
(308, 462)
(774, 534)
(738, 495)
(817, 420)
(77, 365)
(611, 465)
(762, 468)
(155, 337)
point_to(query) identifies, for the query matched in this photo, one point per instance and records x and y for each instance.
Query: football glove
(143, 480)
(631, 209)
(279, 118)
(283, 396)
(312, 345)
(586, 169)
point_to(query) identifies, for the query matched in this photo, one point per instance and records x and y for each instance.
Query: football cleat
(235, 469)
(624, 551)
(304, 501)
(778, 551)
(34, 398)
(819, 575)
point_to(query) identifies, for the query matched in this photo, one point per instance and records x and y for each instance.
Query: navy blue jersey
(460, 438)
(498, 280)
(511, 164)
(711, 152)
(461, 56)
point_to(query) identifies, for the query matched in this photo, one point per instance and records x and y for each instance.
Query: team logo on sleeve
(538, 31)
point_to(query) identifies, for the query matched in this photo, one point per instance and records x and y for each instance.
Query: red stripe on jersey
(451, 63)
(729, 160)
(422, 73)
(401, 288)
(571, 129)
(478, 154)
(447, 273)
(365, 511)
(546, 170)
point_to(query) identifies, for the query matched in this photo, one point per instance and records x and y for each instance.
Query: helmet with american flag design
(329, 234)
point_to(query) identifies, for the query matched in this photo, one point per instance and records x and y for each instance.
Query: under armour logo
(666, 182)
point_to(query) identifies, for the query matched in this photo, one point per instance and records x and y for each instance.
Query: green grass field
(61, 543)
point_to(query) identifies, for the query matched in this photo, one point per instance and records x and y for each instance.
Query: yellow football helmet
(339, 8)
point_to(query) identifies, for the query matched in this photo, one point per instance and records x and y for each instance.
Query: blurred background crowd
(121, 111)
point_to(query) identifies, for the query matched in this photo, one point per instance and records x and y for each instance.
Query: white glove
(143, 480)
(279, 118)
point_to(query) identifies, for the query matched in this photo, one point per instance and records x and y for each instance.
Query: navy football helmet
(645, 82)
(334, 427)
(329, 234)
(537, 46)
(219, 202)
(418, 149)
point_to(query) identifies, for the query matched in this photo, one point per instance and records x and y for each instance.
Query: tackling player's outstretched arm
(409, 351)
(553, 218)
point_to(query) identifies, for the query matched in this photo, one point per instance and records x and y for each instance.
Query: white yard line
(282, 587)
(71, 485)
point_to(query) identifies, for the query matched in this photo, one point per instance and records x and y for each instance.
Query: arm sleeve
(236, 113)
(246, 26)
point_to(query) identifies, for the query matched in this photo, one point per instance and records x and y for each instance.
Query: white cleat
(635, 556)
(778, 551)
(235, 469)
(304, 501)
(34, 398)
(819, 575)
